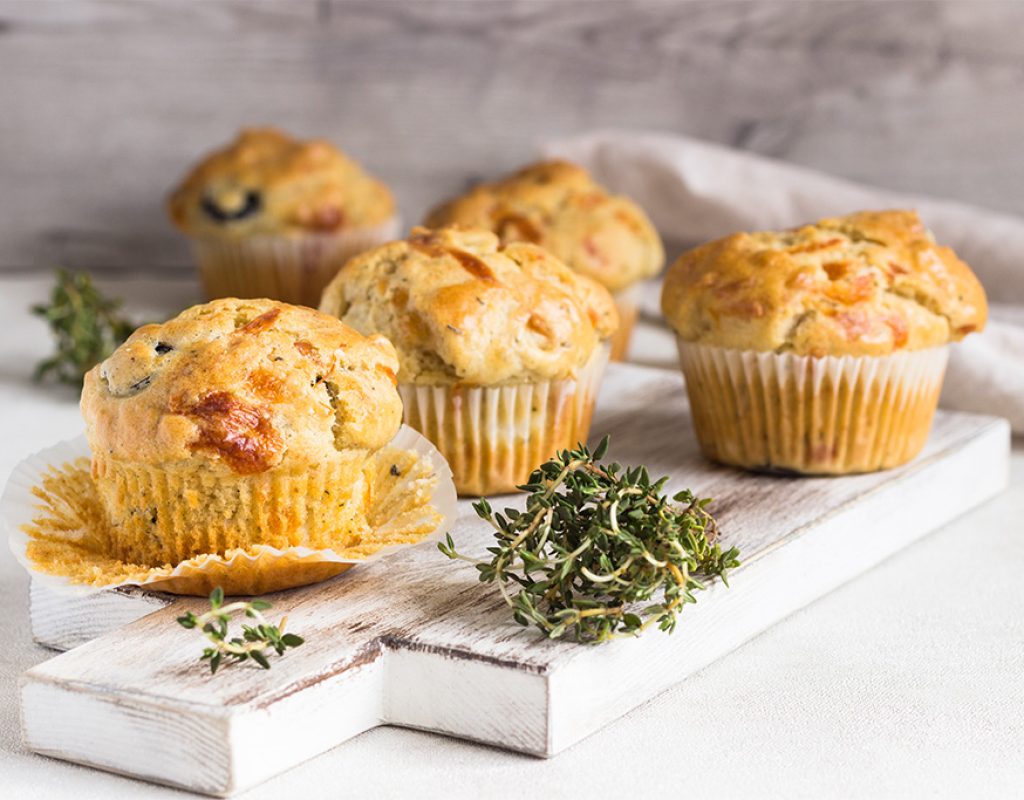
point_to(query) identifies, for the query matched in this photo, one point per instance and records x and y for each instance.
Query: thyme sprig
(85, 325)
(595, 543)
(253, 642)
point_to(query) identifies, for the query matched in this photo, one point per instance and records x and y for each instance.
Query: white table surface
(907, 682)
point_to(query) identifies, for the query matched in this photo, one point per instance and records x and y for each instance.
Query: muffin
(558, 206)
(500, 348)
(273, 216)
(820, 349)
(238, 423)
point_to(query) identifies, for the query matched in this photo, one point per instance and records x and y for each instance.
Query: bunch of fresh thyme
(85, 324)
(594, 545)
(254, 638)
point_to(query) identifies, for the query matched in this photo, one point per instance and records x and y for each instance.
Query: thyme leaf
(600, 552)
(253, 642)
(85, 324)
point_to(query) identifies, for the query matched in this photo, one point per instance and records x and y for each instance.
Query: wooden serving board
(416, 640)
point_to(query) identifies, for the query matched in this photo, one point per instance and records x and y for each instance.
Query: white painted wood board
(415, 640)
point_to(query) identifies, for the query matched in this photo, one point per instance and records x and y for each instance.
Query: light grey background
(103, 105)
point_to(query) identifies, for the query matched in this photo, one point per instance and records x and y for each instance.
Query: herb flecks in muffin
(594, 545)
(254, 641)
(86, 326)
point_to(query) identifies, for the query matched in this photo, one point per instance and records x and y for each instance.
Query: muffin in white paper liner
(627, 302)
(493, 437)
(824, 415)
(256, 570)
(294, 269)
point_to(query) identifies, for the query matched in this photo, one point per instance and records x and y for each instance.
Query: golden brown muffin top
(869, 283)
(558, 206)
(249, 385)
(267, 182)
(461, 308)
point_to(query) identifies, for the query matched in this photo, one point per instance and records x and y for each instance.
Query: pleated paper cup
(294, 269)
(58, 530)
(627, 302)
(829, 415)
(493, 437)
(164, 515)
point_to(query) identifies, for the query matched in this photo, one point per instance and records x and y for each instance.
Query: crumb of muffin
(869, 283)
(558, 205)
(267, 182)
(461, 308)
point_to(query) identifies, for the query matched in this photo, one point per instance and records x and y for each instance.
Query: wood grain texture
(416, 640)
(106, 102)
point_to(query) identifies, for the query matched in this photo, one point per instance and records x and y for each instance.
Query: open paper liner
(53, 514)
(827, 415)
(627, 302)
(294, 269)
(493, 437)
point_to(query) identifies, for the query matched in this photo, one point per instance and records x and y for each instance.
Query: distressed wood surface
(106, 102)
(415, 640)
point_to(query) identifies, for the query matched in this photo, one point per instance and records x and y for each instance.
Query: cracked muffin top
(557, 205)
(461, 308)
(248, 385)
(267, 182)
(870, 283)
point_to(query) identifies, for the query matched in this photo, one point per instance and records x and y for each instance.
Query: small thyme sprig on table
(85, 325)
(254, 639)
(594, 543)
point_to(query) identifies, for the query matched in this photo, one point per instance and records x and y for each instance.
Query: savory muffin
(271, 215)
(558, 205)
(820, 349)
(499, 347)
(238, 423)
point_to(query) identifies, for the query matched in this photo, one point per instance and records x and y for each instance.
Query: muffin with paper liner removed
(501, 348)
(820, 349)
(559, 206)
(274, 216)
(240, 439)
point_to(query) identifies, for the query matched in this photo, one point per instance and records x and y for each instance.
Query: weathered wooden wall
(104, 103)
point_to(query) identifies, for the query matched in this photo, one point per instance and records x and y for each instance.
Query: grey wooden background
(103, 103)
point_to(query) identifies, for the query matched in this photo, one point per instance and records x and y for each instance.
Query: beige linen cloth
(696, 191)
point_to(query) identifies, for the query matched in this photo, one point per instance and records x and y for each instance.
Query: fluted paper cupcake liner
(829, 415)
(494, 437)
(627, 301)
(294, 269)
(67, 553)
(188, 512)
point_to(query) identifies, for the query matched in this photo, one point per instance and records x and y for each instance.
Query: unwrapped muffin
(558, 205)
(821, 349)
(501, 348)
(273, 216)
(238, 423)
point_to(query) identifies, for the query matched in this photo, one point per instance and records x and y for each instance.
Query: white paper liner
(627, 302)
(19, 506)
(833, 414)
(294, 269)
(494, 437)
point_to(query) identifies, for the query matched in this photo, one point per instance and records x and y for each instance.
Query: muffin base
(59, 529)
(291, 269)
(494, 437)
(627, 302)
(189, 512)
(830, 415)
